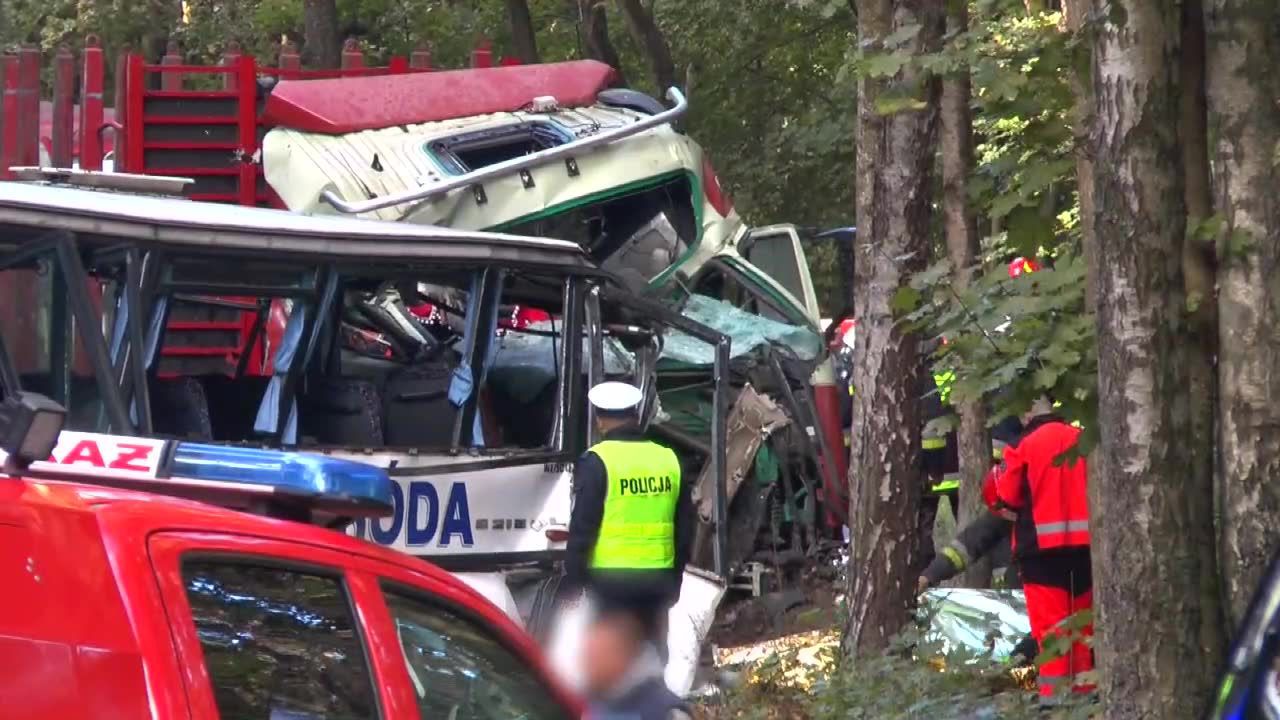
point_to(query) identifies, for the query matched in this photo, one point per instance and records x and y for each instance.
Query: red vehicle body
(96, 617)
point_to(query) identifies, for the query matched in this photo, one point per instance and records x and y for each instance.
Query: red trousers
(1047, 606)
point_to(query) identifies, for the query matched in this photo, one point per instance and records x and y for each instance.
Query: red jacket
(1048, 491)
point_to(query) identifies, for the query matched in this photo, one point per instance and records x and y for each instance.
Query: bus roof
(196, 225)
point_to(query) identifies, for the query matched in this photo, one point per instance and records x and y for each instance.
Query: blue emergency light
(341, 487)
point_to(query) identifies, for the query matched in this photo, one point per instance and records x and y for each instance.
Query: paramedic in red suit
(1048, 493)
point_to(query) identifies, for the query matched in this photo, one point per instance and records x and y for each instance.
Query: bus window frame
(64, 251)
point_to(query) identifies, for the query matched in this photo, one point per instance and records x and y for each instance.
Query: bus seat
(180, 408)
(341, 411)
(233, 405)
(416, 407)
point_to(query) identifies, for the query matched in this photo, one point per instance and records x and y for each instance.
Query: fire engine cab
(136, 586)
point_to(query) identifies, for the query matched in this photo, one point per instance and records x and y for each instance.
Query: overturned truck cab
(459, 361)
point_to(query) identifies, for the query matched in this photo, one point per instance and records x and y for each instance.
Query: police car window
(461, 672)
(278, 644)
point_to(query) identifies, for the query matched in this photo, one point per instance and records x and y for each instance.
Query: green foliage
(1010, 341)
(1014, 339)
(774, 104)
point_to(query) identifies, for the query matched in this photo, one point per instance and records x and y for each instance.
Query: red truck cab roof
(342, 105)
(124, 604)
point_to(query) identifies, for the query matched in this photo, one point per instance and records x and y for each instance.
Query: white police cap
(615, 396)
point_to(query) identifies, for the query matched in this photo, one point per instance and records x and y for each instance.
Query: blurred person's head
(613, 643)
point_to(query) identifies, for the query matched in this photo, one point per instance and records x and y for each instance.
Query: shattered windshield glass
(746, 330)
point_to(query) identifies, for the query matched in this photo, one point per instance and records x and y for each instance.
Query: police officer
(631, 527)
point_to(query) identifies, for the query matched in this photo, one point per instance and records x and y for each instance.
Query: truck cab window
(462, 672)
(278, 643)
(779, 255)
(722, 284)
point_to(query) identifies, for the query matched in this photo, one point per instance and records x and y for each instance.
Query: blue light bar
(338, 486)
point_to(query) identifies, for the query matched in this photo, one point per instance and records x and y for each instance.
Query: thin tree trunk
(524, 40)
(1146, 560)
(594, 21)
(962, 248)
(1242, 86)
(322, 40)
(1074, 13)
(1198, 281)
(895, 164)
(647, 35)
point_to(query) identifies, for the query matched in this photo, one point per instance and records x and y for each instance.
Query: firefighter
(1047, 492)
(631, 526)
(940, 462)
(986, 535)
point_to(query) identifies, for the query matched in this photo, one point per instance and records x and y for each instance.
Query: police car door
(271, 629)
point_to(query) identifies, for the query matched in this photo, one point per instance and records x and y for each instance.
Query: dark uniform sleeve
(589, 479)
(974, 541)
(686, 525)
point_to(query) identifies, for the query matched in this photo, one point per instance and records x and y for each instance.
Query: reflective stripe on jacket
(637, 530)
(1048, 492)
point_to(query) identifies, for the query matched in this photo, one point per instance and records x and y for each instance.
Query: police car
(136, 585)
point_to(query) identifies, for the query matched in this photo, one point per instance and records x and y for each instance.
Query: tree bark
(322, 40)
(647, 35)
(895, 164)
(1198, 281)
(524, 39)
(1146, 560)
(594, 21)
(961, 226)
(1242, 84)
(1074, 13)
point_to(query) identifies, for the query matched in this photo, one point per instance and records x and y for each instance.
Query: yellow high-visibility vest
(638, 528)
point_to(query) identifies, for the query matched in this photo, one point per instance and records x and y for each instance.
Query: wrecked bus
(479, 449)
(554, 150)
(547, 150)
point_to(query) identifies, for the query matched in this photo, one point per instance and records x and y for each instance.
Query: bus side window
(49, 356)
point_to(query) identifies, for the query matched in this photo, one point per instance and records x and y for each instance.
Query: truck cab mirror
(29, 428)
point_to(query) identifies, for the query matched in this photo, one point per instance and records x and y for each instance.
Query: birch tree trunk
(895, 162)
(1074, 13)
(1243, 81)
(1198, 280)
(973, 440)
(1146, 563)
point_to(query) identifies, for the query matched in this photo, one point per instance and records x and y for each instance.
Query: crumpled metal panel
(976, 621)
(752, 419)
